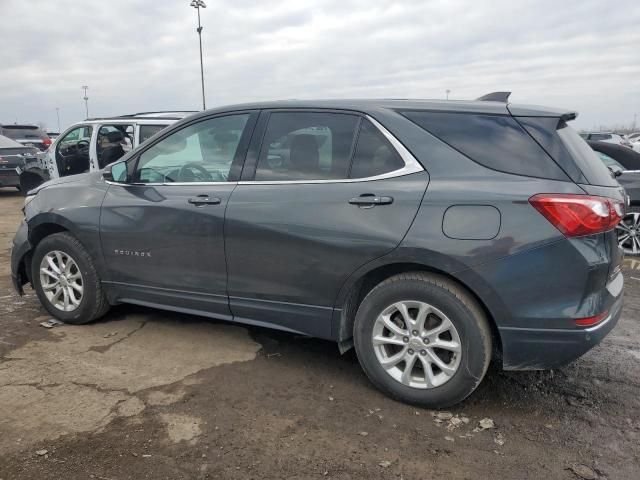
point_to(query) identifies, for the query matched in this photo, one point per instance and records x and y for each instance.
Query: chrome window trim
(411, 165)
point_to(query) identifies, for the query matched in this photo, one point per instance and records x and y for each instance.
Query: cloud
(138, 55)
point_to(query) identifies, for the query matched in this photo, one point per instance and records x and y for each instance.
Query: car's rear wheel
(422, 339)
(628, 231)
(66, 280)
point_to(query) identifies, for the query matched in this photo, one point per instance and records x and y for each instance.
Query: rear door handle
(369, 200)
(202, 200)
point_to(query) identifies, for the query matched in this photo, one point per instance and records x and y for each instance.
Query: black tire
(93, 304)
(464, 312)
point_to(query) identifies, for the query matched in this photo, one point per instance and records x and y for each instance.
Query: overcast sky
(138, 55)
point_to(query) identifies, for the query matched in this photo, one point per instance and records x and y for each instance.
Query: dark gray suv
(433, 236)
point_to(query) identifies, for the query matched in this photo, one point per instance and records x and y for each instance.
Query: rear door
(322, 193)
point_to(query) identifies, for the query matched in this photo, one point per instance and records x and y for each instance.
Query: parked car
(27, 135)
(53, 135)
(12, 159)
(625, 164)
(608, 137)
(434, 236)
(94, 143)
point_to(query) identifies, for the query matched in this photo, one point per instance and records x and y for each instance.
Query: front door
(162, 233)
(319, 206)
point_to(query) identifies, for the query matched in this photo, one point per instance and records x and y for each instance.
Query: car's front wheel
(66, 280)
(422, 339)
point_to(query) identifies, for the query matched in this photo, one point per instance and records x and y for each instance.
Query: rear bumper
(545, 348)
(9, 178)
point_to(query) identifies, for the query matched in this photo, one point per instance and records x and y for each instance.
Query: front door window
(202, 152)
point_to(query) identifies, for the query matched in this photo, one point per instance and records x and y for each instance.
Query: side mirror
(616, 171)
(116, 172)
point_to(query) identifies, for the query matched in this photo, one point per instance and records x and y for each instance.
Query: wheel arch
(358, 286)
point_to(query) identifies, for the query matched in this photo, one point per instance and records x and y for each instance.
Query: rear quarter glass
(497, 142)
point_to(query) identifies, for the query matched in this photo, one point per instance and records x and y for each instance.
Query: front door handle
(370, 200)
(201, 200)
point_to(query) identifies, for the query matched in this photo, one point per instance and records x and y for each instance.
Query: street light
(86, 99)
(58, 115)
(197, 4)
(448, 92)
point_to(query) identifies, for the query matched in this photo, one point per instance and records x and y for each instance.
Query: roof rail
(495, 97)
(161, 115)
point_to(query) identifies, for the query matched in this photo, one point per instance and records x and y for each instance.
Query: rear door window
(374, 154)
(148, 131)
(306, 146)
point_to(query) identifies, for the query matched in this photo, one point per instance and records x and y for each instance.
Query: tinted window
(202, 152)
(592, 167)
(495, 141)
(599, 137)
(148, 131)
(306, 146)
(374, 154)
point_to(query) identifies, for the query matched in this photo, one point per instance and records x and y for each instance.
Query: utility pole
(58, 115)
(86, 99)
(448, 92)
(197, 4)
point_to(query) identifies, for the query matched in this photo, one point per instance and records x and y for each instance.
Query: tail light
(578, 215)
(590, 321)
(46, 141)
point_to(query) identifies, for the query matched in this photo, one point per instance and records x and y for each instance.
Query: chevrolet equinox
(433, 236)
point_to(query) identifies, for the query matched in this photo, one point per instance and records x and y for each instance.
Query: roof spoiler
(495, 97)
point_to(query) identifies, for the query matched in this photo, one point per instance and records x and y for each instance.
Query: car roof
(373, 105)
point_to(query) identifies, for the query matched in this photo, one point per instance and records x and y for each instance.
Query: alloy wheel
(417, 344)
(628, 231)
(61, 281)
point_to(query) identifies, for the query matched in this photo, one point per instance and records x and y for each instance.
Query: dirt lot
(148, 394)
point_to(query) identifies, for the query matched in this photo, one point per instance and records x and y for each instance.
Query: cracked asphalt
(150, 394)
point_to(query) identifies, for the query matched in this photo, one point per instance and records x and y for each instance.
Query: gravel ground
(149, 394)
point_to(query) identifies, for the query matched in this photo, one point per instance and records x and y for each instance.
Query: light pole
(197, 4)
(448, 92)
(58, 115)
(86, 99)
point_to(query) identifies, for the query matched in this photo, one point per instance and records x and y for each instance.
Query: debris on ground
(385, 464)
(499, 439)
(110, 334)
(363, 434)
(449, 439)
(485, 424)
(442, 415)
(583, 471)
(52, 322)
(42, 452)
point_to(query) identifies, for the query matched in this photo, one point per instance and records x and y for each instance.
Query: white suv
(93, 144)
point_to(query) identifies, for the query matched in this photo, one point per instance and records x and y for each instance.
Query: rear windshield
(594, 170)
(22, 131)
